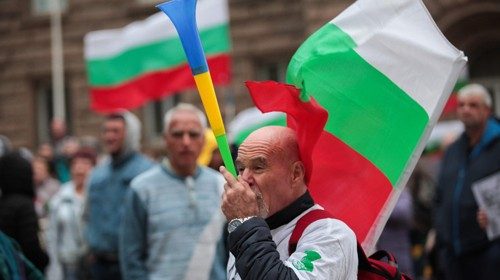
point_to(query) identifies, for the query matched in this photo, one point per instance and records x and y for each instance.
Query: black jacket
(456, 225)
(253, 246)
(18, 218)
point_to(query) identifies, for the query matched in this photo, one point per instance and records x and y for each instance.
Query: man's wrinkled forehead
(264, 148)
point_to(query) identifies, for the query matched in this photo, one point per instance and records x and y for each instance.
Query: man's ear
(298, 173)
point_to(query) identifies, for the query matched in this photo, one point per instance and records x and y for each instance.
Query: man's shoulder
(330, 226)
(211, 174)
(141, 161)
(151, 175)
(457, 146)
(102, 167)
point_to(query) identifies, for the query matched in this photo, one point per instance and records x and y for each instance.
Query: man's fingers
(228, 176)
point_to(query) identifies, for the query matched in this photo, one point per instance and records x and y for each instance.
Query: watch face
(233, 224)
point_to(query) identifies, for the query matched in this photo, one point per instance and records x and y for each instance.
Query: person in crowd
(172, 223)
(422, 186)
(46, 151)
(108, 184)
(263, 205)
(58, 133)
(62, 168)
(45, 187)
(65, 236)
(395, 237)
(18, 218)
(464, 250)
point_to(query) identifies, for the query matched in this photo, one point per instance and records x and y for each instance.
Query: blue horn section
(182, 13)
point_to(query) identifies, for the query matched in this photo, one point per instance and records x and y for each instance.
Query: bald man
(263, 205)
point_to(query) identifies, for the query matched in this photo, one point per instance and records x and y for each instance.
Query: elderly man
(263, 205)
(108, 183)
(464, 249)
(172, 224)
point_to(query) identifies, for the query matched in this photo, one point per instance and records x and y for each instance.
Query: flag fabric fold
(383, 72)
(145, 61)
(306, 118)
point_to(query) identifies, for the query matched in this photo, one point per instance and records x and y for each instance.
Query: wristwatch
(234, 223)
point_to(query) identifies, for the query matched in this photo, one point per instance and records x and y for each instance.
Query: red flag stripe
(341, 177)
(155, 85)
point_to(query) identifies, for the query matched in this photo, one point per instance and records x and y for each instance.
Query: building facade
(264, 34)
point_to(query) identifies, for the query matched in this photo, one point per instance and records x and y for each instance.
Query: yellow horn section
(209, 99)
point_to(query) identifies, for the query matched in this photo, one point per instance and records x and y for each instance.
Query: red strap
(309, 218)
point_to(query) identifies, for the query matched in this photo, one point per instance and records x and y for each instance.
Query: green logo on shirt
(307, 261)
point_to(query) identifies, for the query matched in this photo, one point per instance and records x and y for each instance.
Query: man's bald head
(281, 140)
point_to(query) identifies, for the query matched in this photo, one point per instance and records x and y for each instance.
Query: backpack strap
(309, 218)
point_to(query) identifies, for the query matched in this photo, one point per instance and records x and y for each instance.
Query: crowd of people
(71, 212)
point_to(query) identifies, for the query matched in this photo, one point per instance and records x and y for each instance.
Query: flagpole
(57, 60)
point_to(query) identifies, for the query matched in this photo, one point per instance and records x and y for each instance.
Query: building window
(45, 111)
(275, 71)
(153, 115)
(43, 7)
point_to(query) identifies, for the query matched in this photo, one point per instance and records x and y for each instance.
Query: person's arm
(255, 252)
(133, 245)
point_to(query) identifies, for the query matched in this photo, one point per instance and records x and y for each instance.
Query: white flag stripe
(111, 42)
(415, 51)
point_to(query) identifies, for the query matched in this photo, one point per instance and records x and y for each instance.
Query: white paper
(487, 194)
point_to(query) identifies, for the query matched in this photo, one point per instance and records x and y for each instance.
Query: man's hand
(238, 199)
(482, 218)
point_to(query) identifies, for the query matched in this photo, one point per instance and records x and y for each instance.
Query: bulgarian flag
(383, 71)
(145, 61)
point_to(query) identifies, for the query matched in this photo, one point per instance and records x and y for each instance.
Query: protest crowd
(65, 196)
(112, 207)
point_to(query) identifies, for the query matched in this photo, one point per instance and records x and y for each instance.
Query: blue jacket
(172, 226)
(108, 185)
(456, 225)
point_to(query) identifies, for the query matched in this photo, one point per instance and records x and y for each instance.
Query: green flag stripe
(152, 57)
(367, 111)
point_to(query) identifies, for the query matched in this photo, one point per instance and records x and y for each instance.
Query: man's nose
(186, 139)
(246, 175)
